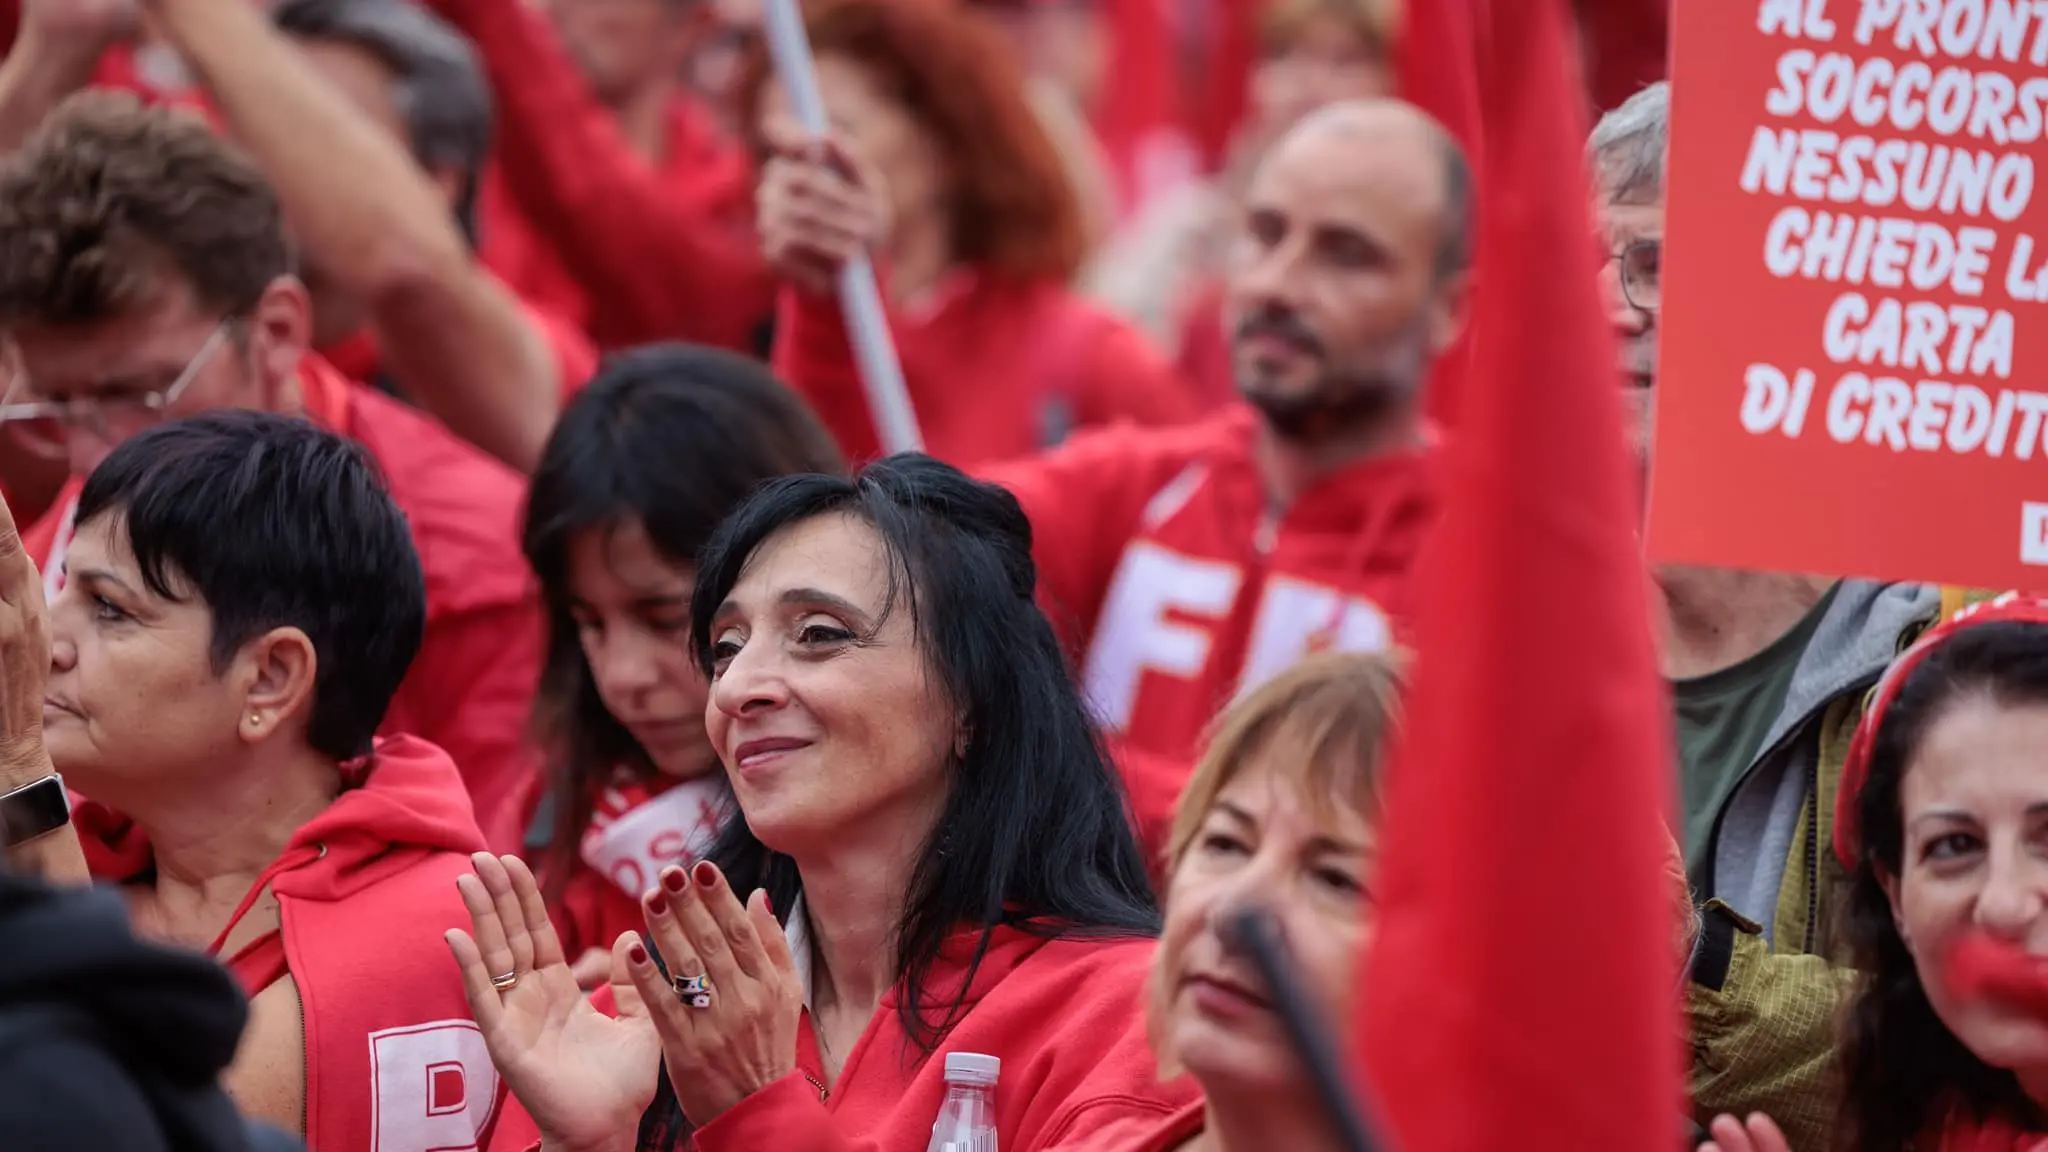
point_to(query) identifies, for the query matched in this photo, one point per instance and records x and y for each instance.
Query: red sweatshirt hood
(1368, 501)
(404, 799)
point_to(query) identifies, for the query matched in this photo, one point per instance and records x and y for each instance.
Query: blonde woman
(1283, 812)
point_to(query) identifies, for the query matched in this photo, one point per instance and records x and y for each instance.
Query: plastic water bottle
(967, 1120)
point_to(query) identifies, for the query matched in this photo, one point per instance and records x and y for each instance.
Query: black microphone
(1254, 932)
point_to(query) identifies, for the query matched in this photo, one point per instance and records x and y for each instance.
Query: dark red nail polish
(637, 954)
(706, 874)
(674, 880)
(658, 904)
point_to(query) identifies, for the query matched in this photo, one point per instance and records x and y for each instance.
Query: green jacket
(1766, 985)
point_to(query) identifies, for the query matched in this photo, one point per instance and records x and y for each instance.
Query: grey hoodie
(1866, 625)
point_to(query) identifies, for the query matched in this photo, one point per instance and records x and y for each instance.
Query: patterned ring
(694, 990)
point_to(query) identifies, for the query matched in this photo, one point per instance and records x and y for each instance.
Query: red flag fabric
(1439, 62)
(1625, 45)
(1521, 990)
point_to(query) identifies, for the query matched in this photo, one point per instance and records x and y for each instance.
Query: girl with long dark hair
(934, 858)
(642, 467)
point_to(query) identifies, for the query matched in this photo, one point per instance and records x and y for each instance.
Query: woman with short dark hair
(938, 854)
(242, 601)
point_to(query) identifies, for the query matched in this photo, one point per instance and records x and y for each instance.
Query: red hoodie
(995, 370)
(664, 254)
(1160, 555)
(471, 687)
(365, 891)
(1064, 1017)
(1168, 1133)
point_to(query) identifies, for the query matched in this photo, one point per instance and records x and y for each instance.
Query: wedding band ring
(504, 983)
(693, 990)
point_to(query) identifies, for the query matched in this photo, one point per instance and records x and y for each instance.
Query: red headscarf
(2010, 607)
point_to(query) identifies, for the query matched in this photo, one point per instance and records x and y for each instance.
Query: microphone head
(1249, 929)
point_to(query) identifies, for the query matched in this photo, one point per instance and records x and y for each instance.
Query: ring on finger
(693, 990)
(505, 982)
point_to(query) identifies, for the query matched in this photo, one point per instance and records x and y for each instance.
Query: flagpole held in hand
(860, 298)
(1253, 932)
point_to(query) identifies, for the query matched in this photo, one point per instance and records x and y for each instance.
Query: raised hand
(1757, 1134)
(818, 204)
(732, 1031)
(583, 1076)
(24, 660)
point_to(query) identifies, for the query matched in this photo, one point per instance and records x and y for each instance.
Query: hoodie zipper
(1813, 850)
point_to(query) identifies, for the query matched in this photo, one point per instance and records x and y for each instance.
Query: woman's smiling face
(823, 706)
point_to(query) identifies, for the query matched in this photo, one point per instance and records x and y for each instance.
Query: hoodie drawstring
(292, 858)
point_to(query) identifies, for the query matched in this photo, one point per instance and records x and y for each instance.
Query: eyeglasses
(1640, 266)
(45, 427)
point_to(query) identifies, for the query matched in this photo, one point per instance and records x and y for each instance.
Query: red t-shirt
(663, 253)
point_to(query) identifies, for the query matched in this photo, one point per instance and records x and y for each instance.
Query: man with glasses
(145, 275)
(1768, 674)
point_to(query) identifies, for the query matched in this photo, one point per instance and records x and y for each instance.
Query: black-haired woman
(934, 858)
(1943, 821)
(641, 468)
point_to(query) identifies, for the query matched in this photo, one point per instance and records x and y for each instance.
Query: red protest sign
(1853, 371)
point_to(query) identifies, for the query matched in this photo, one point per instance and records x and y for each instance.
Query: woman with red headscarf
(1942, 819)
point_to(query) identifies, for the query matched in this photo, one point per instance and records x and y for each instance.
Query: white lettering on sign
(434, 1087)
(2033, 533)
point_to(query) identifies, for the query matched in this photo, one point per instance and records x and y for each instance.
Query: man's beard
(1344, 397)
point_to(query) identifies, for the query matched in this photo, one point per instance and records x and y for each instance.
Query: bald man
(1190, 563)
(1347, 282)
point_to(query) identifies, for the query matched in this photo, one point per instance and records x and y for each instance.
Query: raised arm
(56, 45)
(24, 670)
(660, 262)
(448, 331)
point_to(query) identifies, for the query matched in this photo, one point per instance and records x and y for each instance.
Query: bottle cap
(971, 1068)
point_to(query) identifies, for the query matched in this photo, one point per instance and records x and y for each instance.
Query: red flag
(1522, 989)
(1439, 63)
(1625, 45)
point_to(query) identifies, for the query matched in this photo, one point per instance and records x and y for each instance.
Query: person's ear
(1448, 310)
(1890, 884)
(277, 672)
(280, 334)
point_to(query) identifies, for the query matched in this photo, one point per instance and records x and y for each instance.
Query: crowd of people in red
(452, 578)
